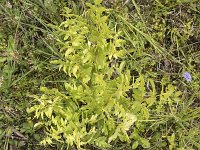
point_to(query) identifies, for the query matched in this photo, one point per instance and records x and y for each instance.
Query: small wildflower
(8, 5)
(187, 76)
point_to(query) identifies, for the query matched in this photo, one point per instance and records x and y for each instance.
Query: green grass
(162, 42)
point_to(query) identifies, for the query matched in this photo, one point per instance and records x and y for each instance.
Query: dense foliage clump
(99, 74)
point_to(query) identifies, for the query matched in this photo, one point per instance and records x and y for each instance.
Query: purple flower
(187, 76)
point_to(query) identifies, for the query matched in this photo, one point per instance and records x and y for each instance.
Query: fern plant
(95, 108)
